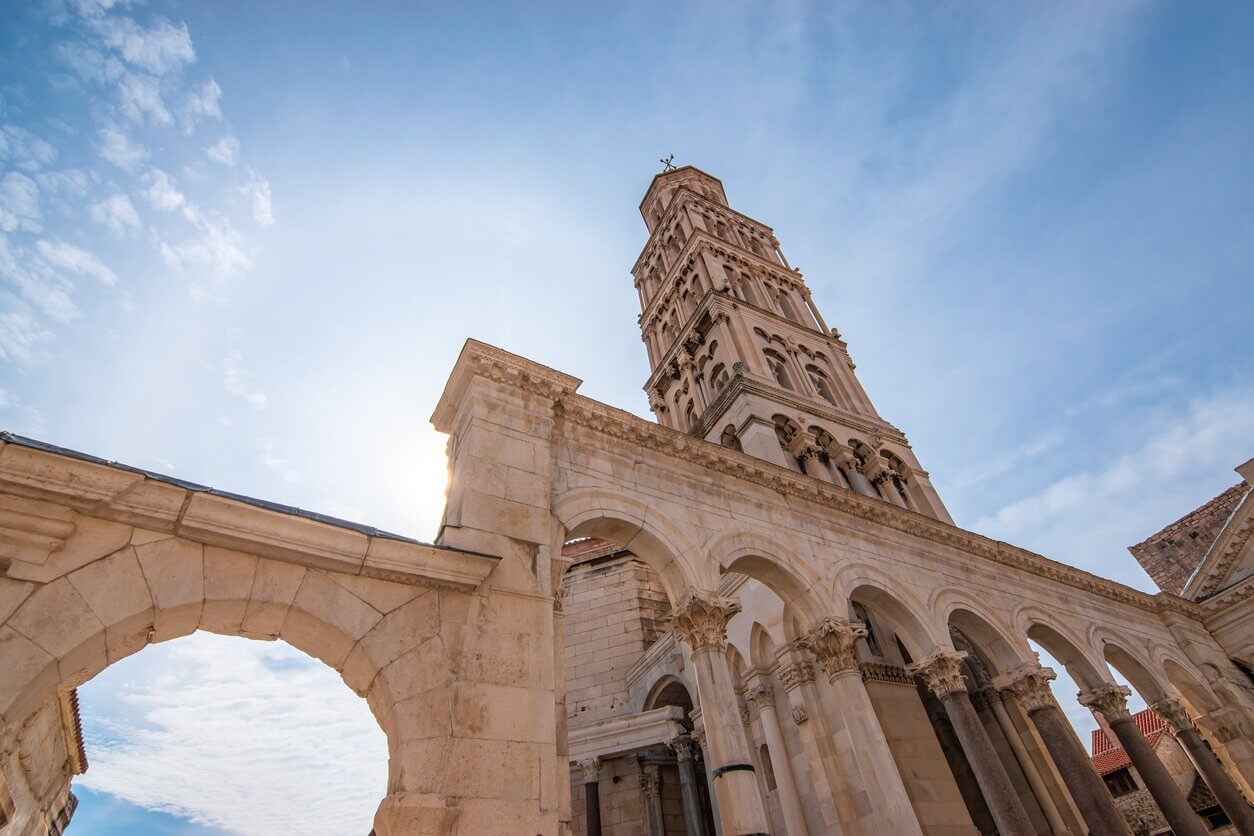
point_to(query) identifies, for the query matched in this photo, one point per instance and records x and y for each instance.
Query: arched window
(779, 368)
(718, 377)
(768, 768)
(872, 643)
(729, 439)
(756, 247)
(690, 415)
(746, 290)
(786, 306)
(821, 384)
(785, 430)
(898, 480)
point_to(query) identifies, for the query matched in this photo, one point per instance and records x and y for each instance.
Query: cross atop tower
(741, 355)
(667, 163)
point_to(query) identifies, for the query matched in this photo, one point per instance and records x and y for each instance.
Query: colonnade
(856, 779)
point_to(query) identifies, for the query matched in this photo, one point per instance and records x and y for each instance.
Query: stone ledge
(624, 735)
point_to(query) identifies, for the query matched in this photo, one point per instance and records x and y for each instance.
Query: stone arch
(899, 608)
(755, 555)
(1116, 651)
(644, 531)
(1072, 653)
(958, 608)
(663, 692)
(384, 638)
(762, 648)
(1190, 686)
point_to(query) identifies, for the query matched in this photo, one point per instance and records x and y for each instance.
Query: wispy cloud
(204, 102)
(76, 260)
(19, 204)
(258, 190)
(225, 150)
(118, 148)
(237, 380)
(117, 214)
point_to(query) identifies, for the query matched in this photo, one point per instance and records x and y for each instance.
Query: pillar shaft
(694, 822)
(591, 769)
(763, 696)
(1176, 716)
(942, 670)
(1111, 701)
(1035, 781)
(651, 786)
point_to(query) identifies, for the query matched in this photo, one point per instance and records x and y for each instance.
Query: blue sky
(243, 244)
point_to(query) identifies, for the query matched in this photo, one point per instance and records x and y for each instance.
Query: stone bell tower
(741, 355)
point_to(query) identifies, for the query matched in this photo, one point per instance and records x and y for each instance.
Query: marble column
(1029, 684)
(762, 694)
(875, 776)
(591, 769)
(694, 822)
(848, 464)
(701, 621)
(942, 671)
(1230, 798)
(1035, 781)
(698, 737)
(1111, 701)
(807, 450)
(651, 787)
(882, 478)
(827, 769)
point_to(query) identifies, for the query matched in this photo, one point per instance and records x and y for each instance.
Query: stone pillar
(878, 781)
(1230, 798)
(698, 737)
(807, 450)
(694, 823)
(763, 696)
(1111, 701)
(701, 621)
(651, 787)
(848, 464)
(880, 476)
(942, 671)
(591, 769)
(827, 769)
(1030, 685)
(1035, 781)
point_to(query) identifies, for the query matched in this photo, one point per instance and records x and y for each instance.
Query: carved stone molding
(682, 747)
(1029, 684)
(761, 695)
(1174, 714)
(590, 769)
(800, 714)
(698, 736)
(650, 784)
(701, 620)
(30, 530)
(941, 671)
(882, 672)
(795, 675)
(833, 645)
(1109, 700)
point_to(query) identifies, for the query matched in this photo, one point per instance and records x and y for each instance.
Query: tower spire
(741, 356)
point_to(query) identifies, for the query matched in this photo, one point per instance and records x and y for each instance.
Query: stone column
(1230, 799)
(848, 464)
(879, 782)
(763, 696)
(1111, 701)
(807, 450)
(698, 737)
(942, 671)
(651, 787)
(879, 475)
(701, 621)
(694, 823)
(1030, 685)
(1035, 781)
(591, 769)
(827, 769)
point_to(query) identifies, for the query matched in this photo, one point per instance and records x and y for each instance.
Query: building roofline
(653, 183)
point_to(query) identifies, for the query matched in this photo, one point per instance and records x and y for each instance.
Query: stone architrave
(1176, 716)
(701, 621)
(1110, 700)
(941, 670)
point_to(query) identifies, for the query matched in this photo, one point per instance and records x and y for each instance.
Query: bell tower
(741, 355)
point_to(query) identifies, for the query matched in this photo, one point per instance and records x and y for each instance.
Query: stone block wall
(1171, 555)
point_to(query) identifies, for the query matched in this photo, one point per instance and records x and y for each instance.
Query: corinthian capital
(1174, 714)
(1029, 684)
(1109, 700)
(761, 694)
(942, 671)
(701, 620)
(591, 769)
(832, 643)
(796, 675)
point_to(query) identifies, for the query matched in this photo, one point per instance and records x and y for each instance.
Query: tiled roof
(1108, 755)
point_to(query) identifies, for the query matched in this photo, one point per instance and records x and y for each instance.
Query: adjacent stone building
(752, 615)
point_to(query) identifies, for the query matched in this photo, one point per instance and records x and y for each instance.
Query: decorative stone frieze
(833, 644)
(941, 671)
(761, 695)
(1029, 684)
(800, 714)
(701, 620)
(1174, 714)
(883, 672)
(1109, 700)
(795, 675)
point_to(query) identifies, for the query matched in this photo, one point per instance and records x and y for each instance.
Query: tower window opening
(821, 384)
(779, 368)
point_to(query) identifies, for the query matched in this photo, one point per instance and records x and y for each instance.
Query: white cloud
(76, 260)
(218, 246)
(258, 189)
(39, 284)
(278, 742)
(161, 192)
(140, 96)
(117, 214)
(161, 49)
(19, 204)
(89, 63)
(225, 150)
(204, 103)
(20, 331)
(238, 381)
(117, 148)
(22, 149)
(70, 181)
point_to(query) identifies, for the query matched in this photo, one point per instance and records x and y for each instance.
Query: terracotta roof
(1108, 755)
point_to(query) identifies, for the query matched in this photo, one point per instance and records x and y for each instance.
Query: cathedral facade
(752, 615)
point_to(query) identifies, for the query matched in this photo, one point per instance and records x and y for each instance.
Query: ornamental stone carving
(744, 713)
(701, 620)
(800, 714)
(682, 747)
(941, 671)
(698, 736)
(591, 769)
(762, 695)
(1174, 714)
(1109, 700)
(797, 674)
(832, 643)
(1029, 684)
(650, 784)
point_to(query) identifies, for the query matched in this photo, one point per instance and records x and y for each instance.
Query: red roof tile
(1108, 755)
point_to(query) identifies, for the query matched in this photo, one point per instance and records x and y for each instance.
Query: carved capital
(1109, 700)
(682, 747)
(800, 714)
(761, 695)
(591, 769)
(701, 620)
(650, 784)
(832, 643)
(1029, 684)
(941, 671)
(1174, 714)
(743, 710)
(698, 737)
(796, 675)
(876, 470)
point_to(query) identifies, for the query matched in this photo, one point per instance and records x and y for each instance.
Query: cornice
(1226, 599)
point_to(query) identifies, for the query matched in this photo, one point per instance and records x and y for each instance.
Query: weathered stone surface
(175, 572)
